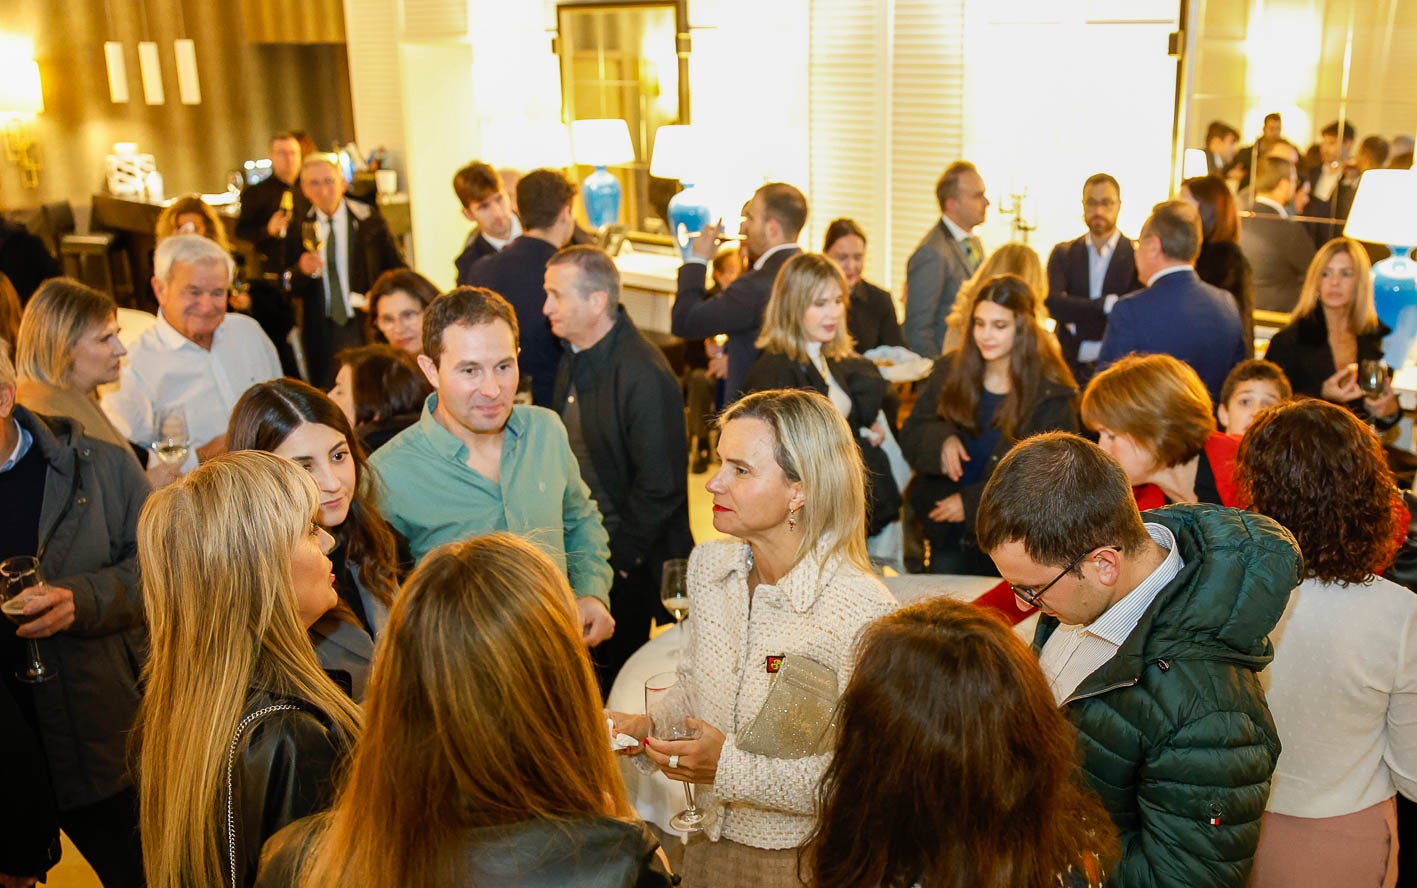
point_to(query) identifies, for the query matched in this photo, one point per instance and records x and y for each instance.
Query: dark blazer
(1279, 251)
(631, 411)
(1080, 318)
(869, 393)
(372, 251)
(737, 311)
(1301, 349)
(933, 276)
(1223, 264)
(518, 273)
(259, 203)
(870, 317)
(1181, 316)
(475, 248)
(923, 435)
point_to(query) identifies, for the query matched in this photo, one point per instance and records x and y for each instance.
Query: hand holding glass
(20, 581)
(1372, 377)
(669, 708)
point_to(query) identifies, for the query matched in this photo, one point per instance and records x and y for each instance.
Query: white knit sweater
(816, 611)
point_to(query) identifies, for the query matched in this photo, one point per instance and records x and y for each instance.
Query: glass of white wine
(171, 441)
(673, 590)
(20, 581)
(669, 707)
(311, 238)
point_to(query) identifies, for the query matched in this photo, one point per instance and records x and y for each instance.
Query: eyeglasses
(1104, 204)
(1030, 596)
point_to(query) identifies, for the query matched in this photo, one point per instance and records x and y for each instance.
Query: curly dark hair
(1318, 470)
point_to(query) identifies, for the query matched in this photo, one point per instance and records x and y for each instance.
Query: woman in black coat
(1221, 262)
(1006, 382)
(870, 312)
(805, 346)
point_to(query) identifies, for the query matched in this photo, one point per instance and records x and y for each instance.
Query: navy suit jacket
(1182, 316)
(475, 248)
(518, 274)
(737, 311)
(1068, 301)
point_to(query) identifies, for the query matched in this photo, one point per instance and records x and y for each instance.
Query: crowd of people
(330, 579)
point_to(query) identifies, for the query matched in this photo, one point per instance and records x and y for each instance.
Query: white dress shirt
(1099, 259)
(166, 368)
(1072, 653)
(340, 223)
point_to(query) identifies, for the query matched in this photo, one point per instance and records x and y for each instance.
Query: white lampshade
(602, 142)
(679, 152)
(1385, 208)
(1194, 163)
(19, 87)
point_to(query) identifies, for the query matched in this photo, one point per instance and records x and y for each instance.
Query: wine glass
(20, 580)
(668, 705)
(1372, 377)
(171, 441)
(673, 591)
(310, 236)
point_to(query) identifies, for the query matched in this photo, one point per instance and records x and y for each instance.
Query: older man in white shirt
(196, 356)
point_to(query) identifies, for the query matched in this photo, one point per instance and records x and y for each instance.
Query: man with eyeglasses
(1087, 275)
(1153, 633)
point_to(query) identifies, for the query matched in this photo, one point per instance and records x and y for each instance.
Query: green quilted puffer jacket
(1175, 734)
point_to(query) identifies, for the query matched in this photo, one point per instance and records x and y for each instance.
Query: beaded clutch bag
(799, 711)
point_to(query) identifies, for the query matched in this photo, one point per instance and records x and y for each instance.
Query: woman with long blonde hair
(240, 730)
(485, 760)
(1011, 258)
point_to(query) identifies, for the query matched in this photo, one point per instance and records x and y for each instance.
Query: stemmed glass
(673, 591)
(311, 239)
(669, 707)
(20, 580)
(171, 440)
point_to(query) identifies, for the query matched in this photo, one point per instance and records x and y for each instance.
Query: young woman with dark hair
(1008, 380)
(1343, 683)
(981, 785)
(381, 390)
(870, 311)
(1221, 262)
(292, 419)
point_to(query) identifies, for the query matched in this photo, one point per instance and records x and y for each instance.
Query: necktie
(339, 310)
(972, 252)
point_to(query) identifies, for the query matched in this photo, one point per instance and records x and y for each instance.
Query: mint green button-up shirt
(432, 496)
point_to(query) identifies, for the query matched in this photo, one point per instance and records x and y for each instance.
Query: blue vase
(1395, 297)
(601, 194)
(688, 215)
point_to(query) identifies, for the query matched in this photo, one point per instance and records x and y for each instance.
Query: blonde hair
(11, 313)
(59, 314)
(482, 655)
(814, 446)
(1362, 315)
(192, 203)
(1156, 400)
(1011, 258)
(797, 284)
(215, 549)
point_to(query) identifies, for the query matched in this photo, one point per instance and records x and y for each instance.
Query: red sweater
(1219, 453)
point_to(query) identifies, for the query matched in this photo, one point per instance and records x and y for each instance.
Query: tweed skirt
(728, 864)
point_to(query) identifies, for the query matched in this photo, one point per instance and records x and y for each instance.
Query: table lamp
(1385, 212)
(679, 154)
(600, 143)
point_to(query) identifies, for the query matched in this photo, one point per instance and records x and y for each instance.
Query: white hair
(189, 249)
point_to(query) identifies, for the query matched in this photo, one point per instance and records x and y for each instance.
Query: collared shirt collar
(22, 446)
(497, 242)
(1118, 621)
(445, 443)
(762, 260)
(1172, 269)
(1108, 246)
(1274, 205)
(802, 584)
(175, 341)
(955, 231)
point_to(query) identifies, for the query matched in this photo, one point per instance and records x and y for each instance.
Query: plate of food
(899, 364)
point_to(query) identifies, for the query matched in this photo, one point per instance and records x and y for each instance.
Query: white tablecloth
(656, 797)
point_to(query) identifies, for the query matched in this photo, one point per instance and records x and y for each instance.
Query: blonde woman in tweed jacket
(791, 489)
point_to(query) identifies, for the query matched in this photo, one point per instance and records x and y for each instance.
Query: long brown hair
(1216, 205)
(482, 656)
(981, 787)
(266, 415)
(215, 549)
(1034, 358)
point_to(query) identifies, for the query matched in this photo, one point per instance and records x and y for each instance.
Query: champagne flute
(673, 591)
(669, 707)
(171, 441)
(1372, 377)
(20, 580)
(312, 239)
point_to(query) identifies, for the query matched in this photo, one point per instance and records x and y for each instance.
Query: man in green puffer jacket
(1153, 633)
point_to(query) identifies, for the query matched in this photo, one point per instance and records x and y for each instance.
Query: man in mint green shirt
(474, 463)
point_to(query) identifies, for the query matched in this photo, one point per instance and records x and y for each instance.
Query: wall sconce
(601, 143)
(20, 99)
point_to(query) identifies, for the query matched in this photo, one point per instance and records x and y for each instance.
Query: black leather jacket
(586, 852)
(286, 760)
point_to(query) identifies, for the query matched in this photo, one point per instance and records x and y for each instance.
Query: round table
(658, 798)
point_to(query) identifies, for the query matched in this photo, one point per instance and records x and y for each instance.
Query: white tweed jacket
(818, 611)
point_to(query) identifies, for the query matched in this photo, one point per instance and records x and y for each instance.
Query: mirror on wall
(628, 60)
